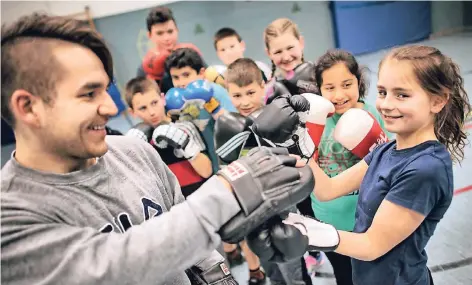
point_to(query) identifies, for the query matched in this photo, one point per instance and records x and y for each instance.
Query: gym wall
(198, 21)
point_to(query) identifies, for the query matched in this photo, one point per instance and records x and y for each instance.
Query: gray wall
(467, 13)
(126, 33)
(446, 15)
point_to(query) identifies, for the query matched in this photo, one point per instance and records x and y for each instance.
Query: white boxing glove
(182, 136)
(321, 236)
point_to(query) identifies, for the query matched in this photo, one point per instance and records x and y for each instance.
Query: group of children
(340, 80)
(146, 98)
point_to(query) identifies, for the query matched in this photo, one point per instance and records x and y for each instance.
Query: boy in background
(164, 34)
(186, 67)
(191, 164)
(230, 46)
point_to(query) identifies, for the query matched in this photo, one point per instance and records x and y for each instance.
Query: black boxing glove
(277, 242)
(280, 119)
(231, 132)
(300, 142)
(277, 121)
(301, 79)
(279, 89)
(141, 131)
(298, 81)
(265, 183)
(299, 103)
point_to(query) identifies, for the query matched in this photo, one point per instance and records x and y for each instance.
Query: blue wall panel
(368, 26)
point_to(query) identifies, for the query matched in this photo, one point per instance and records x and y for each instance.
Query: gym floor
(449, 251)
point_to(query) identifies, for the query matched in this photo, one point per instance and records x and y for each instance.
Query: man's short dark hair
(159, 15)
(225, 33)
(183, 57)
(27, 59)
(137, 85)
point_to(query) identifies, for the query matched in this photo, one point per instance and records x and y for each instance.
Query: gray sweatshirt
(120, 221)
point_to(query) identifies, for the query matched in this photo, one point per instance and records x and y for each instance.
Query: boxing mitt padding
(265, 183)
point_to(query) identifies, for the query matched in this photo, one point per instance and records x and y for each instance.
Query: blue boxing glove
(201, 90)
(175, 103)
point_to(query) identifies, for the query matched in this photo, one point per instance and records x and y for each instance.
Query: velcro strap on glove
(212, 106)
(212, 270)
(243, 182)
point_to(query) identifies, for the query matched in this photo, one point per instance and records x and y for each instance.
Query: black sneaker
(257, 280)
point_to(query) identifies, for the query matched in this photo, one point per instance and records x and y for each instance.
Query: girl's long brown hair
(440, 76)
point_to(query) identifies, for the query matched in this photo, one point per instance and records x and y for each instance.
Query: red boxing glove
(188, 45)
(359, 132)
(315, 118)
(154, 63)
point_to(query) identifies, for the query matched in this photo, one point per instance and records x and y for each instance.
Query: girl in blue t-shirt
(406, 185)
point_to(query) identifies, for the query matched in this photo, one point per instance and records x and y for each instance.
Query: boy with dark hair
(162, 27)
(164, 33)
(189, 163)
(186, 68)
(246, 89)
(230, 46)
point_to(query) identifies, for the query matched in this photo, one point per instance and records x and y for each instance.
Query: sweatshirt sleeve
(207, 203)
(42, 249)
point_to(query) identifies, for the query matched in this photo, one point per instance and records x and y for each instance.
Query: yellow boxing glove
(216, 74)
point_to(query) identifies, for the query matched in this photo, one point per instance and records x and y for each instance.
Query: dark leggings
(305, 207)
(341, 267)
(306, 277)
